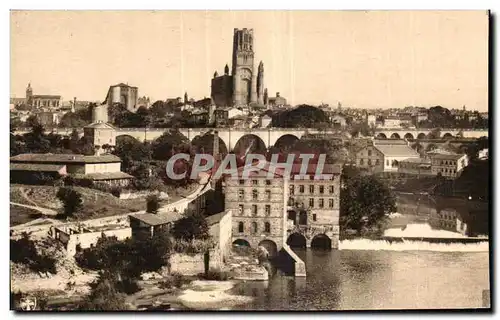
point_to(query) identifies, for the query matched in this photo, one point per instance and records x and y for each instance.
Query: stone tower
(244, 78)
(29, 95)
(260, 84)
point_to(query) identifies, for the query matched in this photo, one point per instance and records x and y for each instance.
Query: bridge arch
(206, 143)
(421, 136)
(296, 240)
(408, 136)
(381, 135)
(286, 140)
(448, 136)
(241, 242)
(123, 138)
(321, 241)
(270, 247)
(395, 135)
(251, 142)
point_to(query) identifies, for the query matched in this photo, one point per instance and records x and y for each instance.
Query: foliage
(364, 203)
(192, 226)
(152, 204)
(192, 247)
(24, 251)
(104, 295)
(130, 150)
(304, 116)
(71, 199)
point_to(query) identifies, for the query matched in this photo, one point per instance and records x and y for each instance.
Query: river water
(376, 279)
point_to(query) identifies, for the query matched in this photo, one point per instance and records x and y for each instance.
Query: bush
(24, 251)
(152, 204)
(71, 199)
(192, 247)
(85, 183)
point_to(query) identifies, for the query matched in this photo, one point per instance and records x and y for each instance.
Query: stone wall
(194, 264)
(86, 240)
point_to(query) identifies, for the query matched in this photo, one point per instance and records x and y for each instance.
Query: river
(376, 279)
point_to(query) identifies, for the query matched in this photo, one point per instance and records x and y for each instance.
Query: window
(301, 188)
(314, 217)
(267, 227)
(241, 209)
(268, 194)
(331, 189)
(321, 189)
(361, 162)
(242, 182)
(240, 227)
(330, 203)
(321, 203)
(369, 153)
(241, 194)
(268, 209)
(387, 162)
(268, 182)
(255, 182)
(254, 209)
(255, 194)
(254, 227)
(311, 202)
(369, 162)
(377, 162)
(311, 188)
(292, 189)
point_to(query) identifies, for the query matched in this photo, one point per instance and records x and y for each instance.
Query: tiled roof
(416, 160)
(45, 96)
(446, 156)
(152, 219)
(63, 158)
(36, 167)
(397, 151)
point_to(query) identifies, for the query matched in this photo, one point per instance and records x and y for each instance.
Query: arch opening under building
(321, 241)
(270, 246)
(296, 240)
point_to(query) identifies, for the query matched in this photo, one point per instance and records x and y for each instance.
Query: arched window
(254, 227)
(240, 227)
(267, 227)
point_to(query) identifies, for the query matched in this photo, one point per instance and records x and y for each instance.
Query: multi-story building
(100, 134)
(123, 94)
(415, 166)
(449, 220)
(392, 122)
(449, 165)
(258, 205)
(385, 155)
(276, 208)
(42, 100)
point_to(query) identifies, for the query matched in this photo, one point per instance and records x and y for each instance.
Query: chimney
(277, 94)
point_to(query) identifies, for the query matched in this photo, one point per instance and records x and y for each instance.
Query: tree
(364, 203)
(72, 200)
(129, 150)
(152, 204)
(304, 116)
(36, 140)
(104, 295)
(164, 147)
(192, 226)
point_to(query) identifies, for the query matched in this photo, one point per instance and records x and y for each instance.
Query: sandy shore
(202, 295)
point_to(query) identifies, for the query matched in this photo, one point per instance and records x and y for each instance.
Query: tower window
(241, 209)
(254, 209)
(311, 188)
(268, 194)
(240, 227)
(254, 227)
(267, 227)
(254, 194)
(241, 194)
(268, 209)
(321, 203)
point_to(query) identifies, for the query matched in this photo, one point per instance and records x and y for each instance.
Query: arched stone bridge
(307, 234)
(428, 133)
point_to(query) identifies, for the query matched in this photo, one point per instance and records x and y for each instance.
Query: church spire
(226, 70)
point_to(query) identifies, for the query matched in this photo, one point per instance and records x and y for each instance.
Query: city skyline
(430, 58)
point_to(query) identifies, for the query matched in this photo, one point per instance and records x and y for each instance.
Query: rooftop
(63, 158)
(152, 219)
(397, 151)
(446, 156)
(108, 176)
(36, 167)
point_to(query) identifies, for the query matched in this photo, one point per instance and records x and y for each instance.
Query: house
(384, 155)
(100, 134)
(392, 122)
(26, 167)
(449, 220)
(448, 164)
(145, 225)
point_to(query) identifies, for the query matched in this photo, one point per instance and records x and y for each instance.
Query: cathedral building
(245, 84)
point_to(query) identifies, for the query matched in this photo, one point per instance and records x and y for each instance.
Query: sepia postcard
(249, 160)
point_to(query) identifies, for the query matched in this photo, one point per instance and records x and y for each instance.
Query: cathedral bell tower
(244, 78)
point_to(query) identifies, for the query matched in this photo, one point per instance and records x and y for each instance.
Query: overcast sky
(362, 59)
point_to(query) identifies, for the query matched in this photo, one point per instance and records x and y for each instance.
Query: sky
(363, 59)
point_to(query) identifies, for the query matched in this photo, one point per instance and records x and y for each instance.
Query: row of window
(255, 194)
(267, 210)
(393, 163)
(312, 188)
(377, 162)
(255, 182)
(446, 170)
(255, 227)
(312, 203)
(448, 163)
